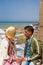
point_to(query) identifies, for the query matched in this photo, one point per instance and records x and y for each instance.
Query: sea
(4, 25)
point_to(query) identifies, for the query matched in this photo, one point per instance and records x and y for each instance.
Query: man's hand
(24, 59)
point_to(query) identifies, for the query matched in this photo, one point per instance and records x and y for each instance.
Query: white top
(3, 50)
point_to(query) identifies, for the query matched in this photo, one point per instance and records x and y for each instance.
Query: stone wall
(41, 24)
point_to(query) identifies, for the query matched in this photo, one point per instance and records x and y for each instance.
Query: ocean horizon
(18, 21)
(17, 24)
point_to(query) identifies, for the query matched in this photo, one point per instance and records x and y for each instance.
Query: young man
(31, 53)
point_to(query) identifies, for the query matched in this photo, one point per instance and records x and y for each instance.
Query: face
(27, 33)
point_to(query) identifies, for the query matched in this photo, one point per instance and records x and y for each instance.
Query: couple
(31, 51)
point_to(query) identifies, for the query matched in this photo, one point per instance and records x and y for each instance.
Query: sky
(19, 10)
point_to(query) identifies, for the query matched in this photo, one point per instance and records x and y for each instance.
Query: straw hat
(10, 32)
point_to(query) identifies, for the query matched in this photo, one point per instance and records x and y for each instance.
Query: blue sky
(19, 10)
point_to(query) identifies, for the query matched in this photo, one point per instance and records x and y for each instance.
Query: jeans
(27, 63)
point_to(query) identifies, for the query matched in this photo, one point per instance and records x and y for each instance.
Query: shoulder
(34, 39)
(4, 42)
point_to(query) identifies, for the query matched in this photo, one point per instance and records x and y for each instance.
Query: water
(20, 50)
(21, 25)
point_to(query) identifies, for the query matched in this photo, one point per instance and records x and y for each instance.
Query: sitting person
(32, 51)
(7, 48)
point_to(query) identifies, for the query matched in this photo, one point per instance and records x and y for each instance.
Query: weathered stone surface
(41, 21)
(41, 25)
(41, 13)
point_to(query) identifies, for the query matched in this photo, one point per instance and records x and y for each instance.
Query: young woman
(7, 48)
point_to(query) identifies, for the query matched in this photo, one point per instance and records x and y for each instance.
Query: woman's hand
(18, 60)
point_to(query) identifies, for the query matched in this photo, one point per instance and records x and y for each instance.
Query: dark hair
(29, 28)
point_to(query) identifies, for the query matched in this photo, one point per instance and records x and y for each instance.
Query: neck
(30, 36)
